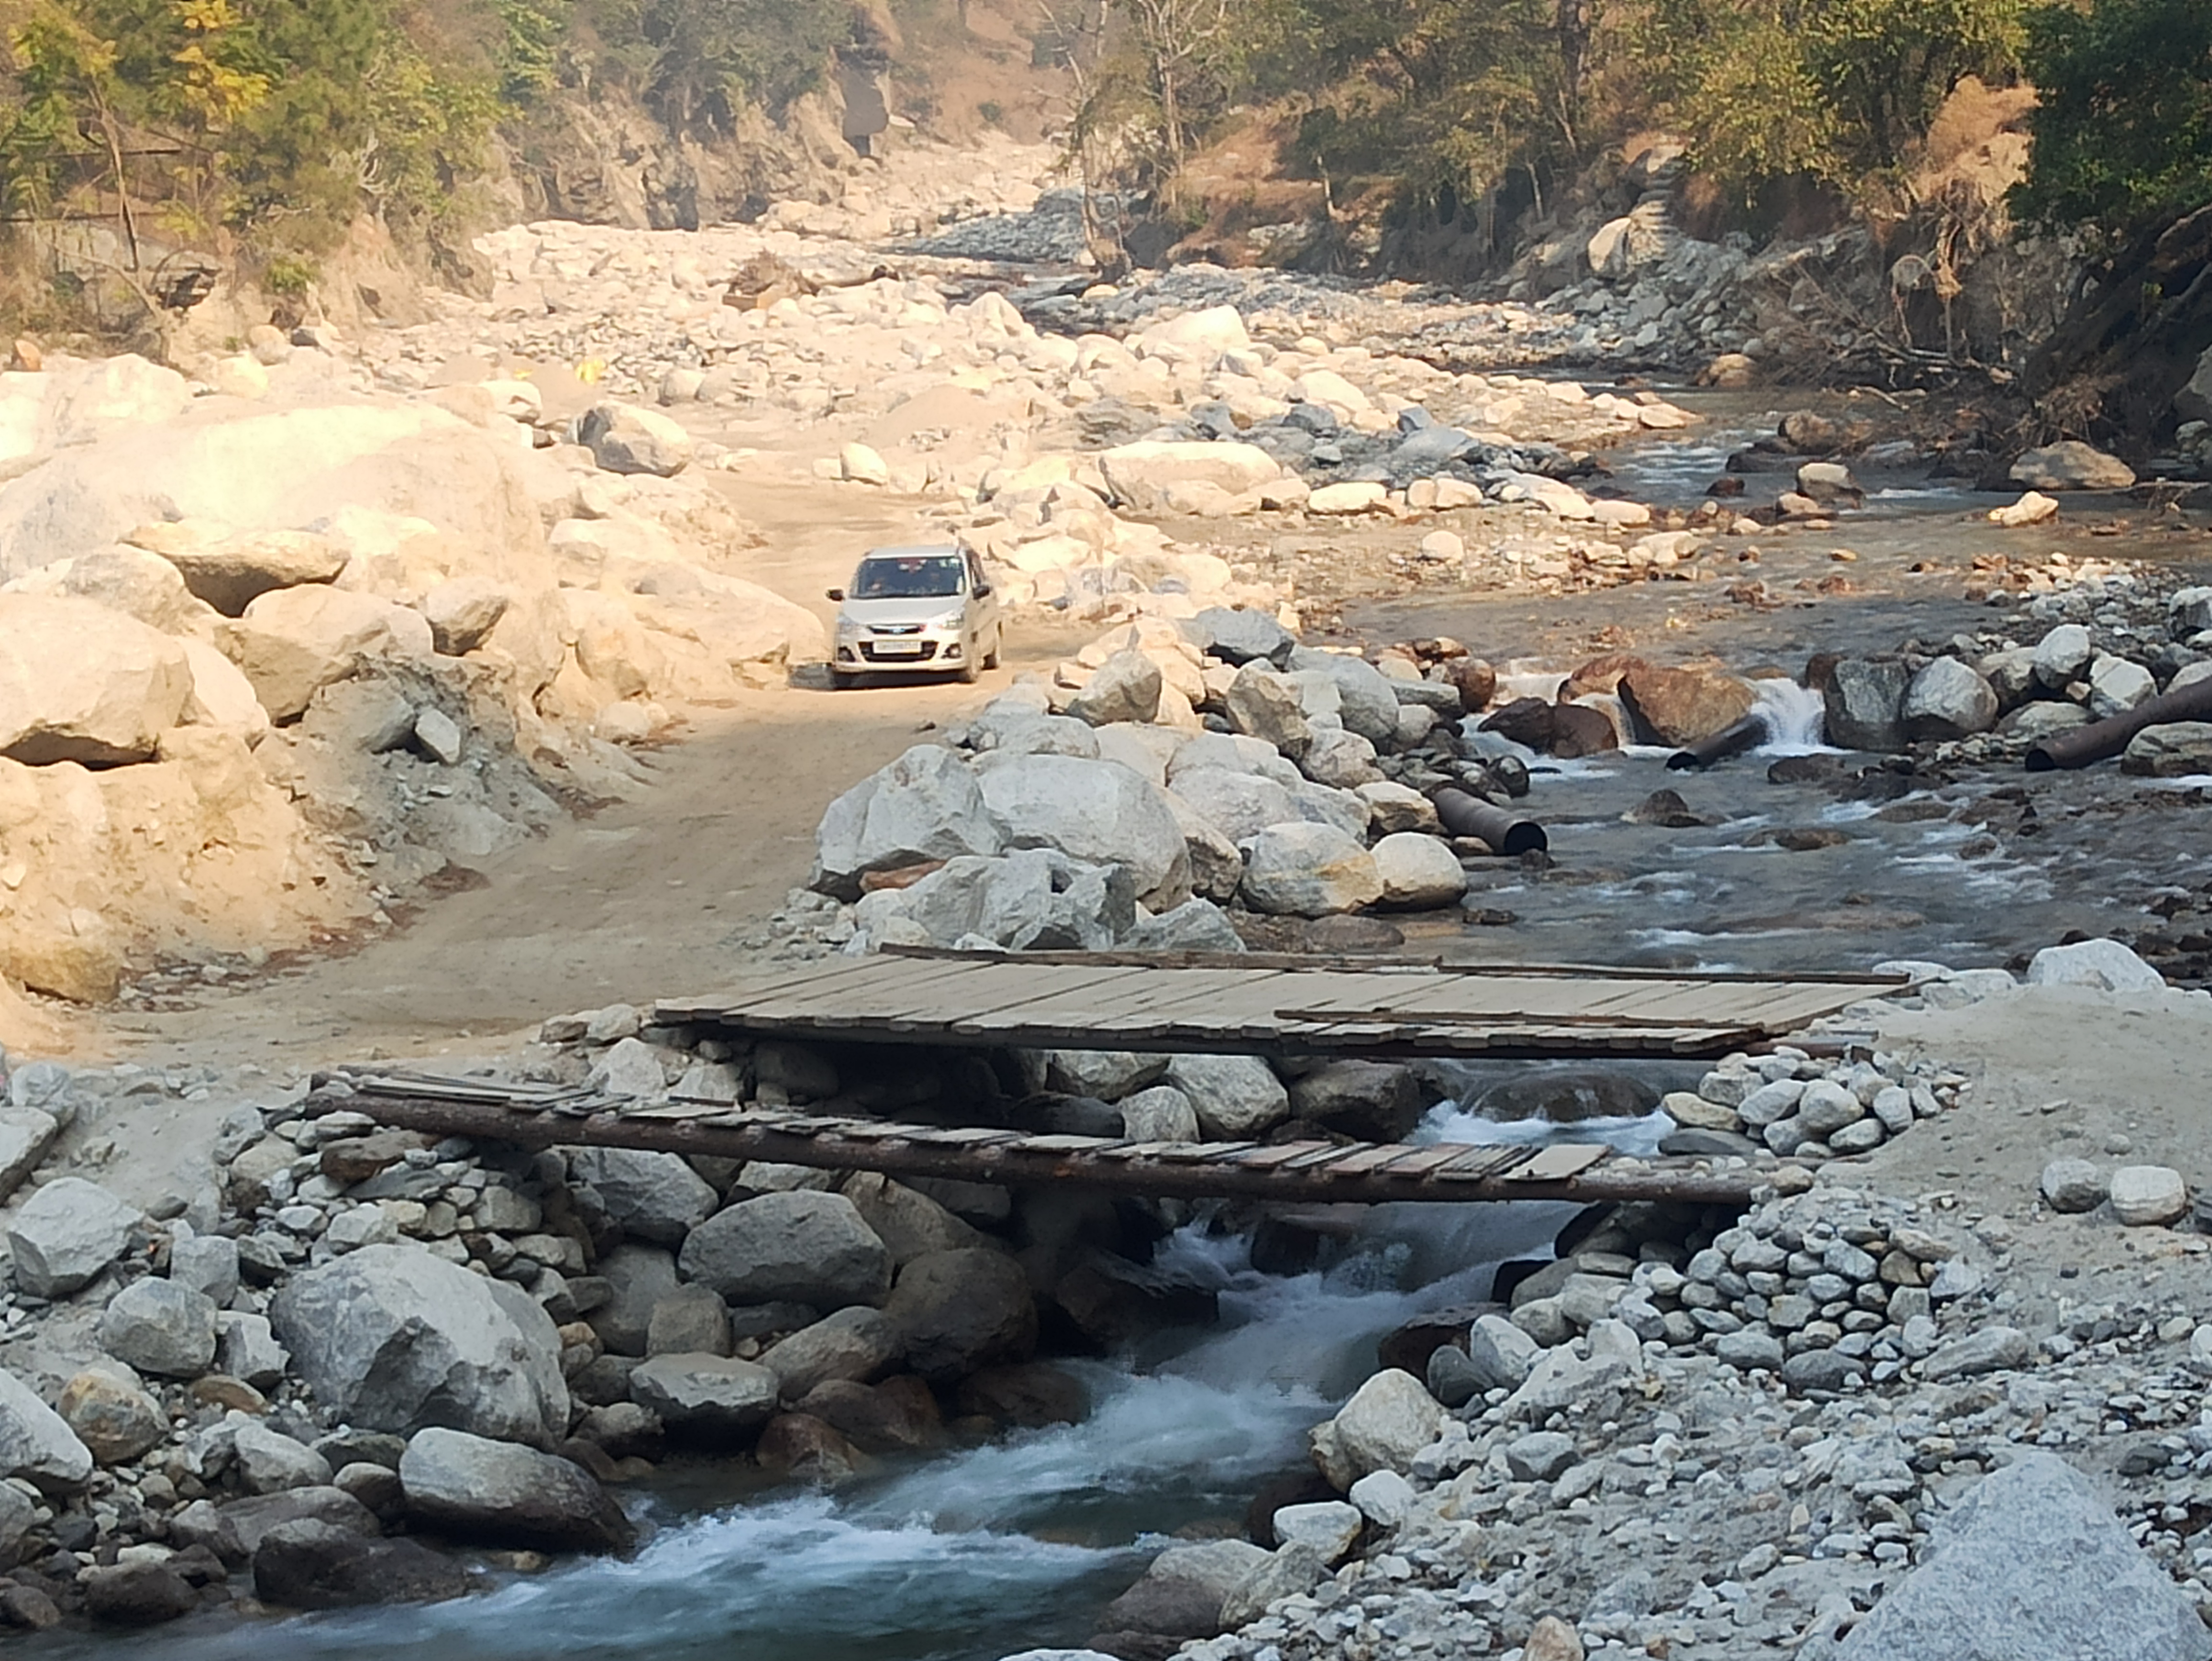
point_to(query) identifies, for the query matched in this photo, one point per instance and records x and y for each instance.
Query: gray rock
(1239, 636)
(66, 1233)
(692, 1320)
(1822, 1370)
(1827, 1106)
(498, 1493)
(36, 1443)
(2062, 655)
(625, 439)
(637, 1277)
(1289, 1572)
(1239, 805)
(2147, 1196)
(1330, 1527)
(655, 1196)
(1369, 707)
(1865, 703)
(394, 1338)
(137, 1595)
(1539, 1456)
(1377, 1101)
(270, 1463)
(629, 1067)
(1949, 699)
(928, 805)
(1126, 687)
(1501, 1354)
(1308, 870)
(1451, 1378)
(1264, 704)
(1035, 900)
(1752, 1346)
(1389, 1419)
(1183, 1593)
(2073, 1185)
(246, 1347)
(1161, 1114)
(1992, 1350)
(2171, 750)
(1105, 1075)
(710, 1396)
(811, 1248)
(1098, 812)
(310, 1564)
(240, 1526)
(860, 1344)
(160, 1327)
(2107, 965)
(1237, 1097)
(208, 1263)
(908, 1222)
(2070, 465)
(1196, 925)
(2033, 1562)
(957, 1311)
(18, 1514)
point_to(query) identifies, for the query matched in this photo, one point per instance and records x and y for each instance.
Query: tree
(2124, 133)
(1834, 90)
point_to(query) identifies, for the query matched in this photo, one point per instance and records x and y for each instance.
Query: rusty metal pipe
(1507, 833)
(1746, 734)
(2102, 739)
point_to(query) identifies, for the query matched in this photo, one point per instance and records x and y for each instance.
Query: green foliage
(710, 58)
(2123, 133)
(1835, 90)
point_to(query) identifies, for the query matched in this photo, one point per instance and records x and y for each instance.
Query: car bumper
(933, 651)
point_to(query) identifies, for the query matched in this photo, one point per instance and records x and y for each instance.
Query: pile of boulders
(1168, 771)
(2104, 647)
(364, 1332)
(273, 656)
(1620, 1493)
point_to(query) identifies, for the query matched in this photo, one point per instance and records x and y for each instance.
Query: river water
(978, 1554)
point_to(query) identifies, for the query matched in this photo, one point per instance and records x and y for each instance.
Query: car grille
(895, 629)
(868, 650)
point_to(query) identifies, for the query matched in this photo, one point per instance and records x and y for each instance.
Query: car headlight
(951, 619)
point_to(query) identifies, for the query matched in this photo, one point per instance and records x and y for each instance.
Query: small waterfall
(1796, 717)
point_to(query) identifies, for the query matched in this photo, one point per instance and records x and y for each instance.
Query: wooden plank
(1357, 1162)
(1104, 1011)
(1059, 1144)
(1277, 1154)
(1423, 1161)
(1052, 1002)
(1479, 1165)
(1559, 1162)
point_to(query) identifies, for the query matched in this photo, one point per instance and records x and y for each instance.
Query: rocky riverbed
(311, 632)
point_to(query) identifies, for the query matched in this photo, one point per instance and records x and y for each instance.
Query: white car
(923, 610)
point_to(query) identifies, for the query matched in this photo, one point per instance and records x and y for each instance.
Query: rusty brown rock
(799, 1444)
(1602, 674)
(1682, 707)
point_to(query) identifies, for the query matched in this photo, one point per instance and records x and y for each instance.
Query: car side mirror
(836, 593)
(983, 591)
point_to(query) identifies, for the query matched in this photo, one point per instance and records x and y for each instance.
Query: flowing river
(978, 1554)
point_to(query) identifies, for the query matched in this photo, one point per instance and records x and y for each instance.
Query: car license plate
(899, 649)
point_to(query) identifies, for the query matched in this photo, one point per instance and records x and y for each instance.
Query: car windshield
(914, 577)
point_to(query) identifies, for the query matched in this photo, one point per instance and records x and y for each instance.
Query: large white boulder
(1095, 811)
(35, 1443)
(1419, 872)
(292, 642)
(1143, 474)
(394, 1338)
(1238, 805)
(66, 1233)
(928, 805)
(81, 683)
(230, 572)
(1308, 870)
(626, 439)
(278, 471)
(2070, 465)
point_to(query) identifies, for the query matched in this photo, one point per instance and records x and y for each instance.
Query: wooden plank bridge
(1278, 1005)
(1255, 1003)
(1291, 1173)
